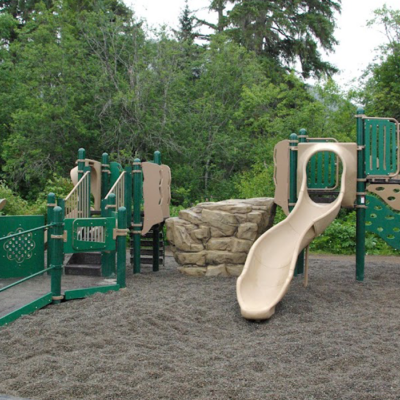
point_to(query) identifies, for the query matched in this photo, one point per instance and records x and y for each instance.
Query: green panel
(380, 219)
(86, 292)
(89, 234)
(22, 255)
(322, 171)
(27, 309)
(380, 147)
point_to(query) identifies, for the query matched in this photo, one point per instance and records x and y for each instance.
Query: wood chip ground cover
(171, 336)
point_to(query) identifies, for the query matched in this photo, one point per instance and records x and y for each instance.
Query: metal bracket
(62, 237)
(119, 232)
(51, 204)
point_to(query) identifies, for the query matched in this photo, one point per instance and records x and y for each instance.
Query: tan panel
(390, 194)
(3, 202)
(153, 213)
(165, 190)
(348, 154)
(281, 175)
(95, 180)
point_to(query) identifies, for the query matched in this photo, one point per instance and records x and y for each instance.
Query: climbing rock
(213, 239)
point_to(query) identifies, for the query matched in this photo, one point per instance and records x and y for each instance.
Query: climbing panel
(380, 219)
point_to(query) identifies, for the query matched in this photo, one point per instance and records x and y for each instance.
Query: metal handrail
(77, 203)
(119, 190)
(26, 279)
(28, 231)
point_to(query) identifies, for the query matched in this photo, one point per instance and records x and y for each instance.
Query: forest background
(82, 73)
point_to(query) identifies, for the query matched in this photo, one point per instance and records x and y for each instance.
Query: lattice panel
(380, 146)
(380, 219)
(22, 255)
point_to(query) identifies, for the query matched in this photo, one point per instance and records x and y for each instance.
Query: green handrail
(26, 279)
(25, 232)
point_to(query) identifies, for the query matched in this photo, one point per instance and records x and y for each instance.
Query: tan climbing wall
(390, 194)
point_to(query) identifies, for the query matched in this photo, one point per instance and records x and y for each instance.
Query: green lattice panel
(22, 255)
(380, 219)
(380, 146)
(321, 171)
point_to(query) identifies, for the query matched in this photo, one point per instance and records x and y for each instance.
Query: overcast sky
(357, 43)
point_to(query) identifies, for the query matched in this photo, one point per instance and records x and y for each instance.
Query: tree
(381, 93)
(284, 31)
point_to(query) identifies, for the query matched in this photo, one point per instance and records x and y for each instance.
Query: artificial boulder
(213, 239)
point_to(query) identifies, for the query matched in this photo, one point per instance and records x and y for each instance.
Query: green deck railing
(56, 260)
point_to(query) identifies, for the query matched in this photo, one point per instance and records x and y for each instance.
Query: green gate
(21, 255)
(89, 234)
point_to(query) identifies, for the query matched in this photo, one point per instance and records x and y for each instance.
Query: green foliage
(381, 93)
(281, 31)
(15, 204)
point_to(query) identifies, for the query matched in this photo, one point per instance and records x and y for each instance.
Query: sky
(357, 43)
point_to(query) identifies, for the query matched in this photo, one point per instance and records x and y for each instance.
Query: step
(85, 270)
(85, 258)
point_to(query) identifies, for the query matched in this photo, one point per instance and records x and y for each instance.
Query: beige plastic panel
(390, 194)
(349, 154)
(281, 175)
(165, 189)
(271, 261)
(95, 180)
(3, 202)
(152, 179)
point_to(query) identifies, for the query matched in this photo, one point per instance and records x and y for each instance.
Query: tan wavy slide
(271, 261)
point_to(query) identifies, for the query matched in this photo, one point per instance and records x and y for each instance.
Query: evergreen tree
(282, 31)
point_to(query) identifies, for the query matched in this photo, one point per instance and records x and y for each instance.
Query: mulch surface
(170, 336)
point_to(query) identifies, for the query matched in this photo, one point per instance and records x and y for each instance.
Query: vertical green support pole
(156, 228)
(56, 241)
(108, 257)
(105, 175)
(137, 219)
(300, 260)
(81, 162)
(121, 248)
(128, 194)
(51, 203)
(293, 141)
(361, 201)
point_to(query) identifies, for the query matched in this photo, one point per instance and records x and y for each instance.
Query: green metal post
(128, 194)
(51, 203)
(157, 157)
(360, 202)
(137, 218)
(300, 260)
(81, 162)
(108, 257)
(121, 248)
(156, 228)
(105, 175)
(293, 141)
(56, 241)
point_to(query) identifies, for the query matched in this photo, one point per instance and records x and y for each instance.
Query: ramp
(271, 261)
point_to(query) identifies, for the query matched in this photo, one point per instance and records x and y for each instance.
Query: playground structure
(104, 206)
(311, 192)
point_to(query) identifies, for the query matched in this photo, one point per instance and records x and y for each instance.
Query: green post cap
(360, 111)
(81, 153)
